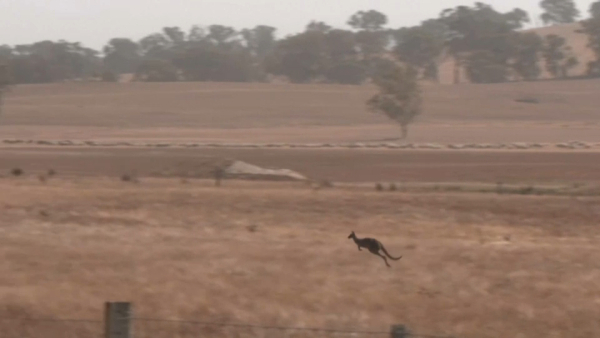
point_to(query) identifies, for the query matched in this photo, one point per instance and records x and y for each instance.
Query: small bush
(42, 178)
(126, 178)
(16, 171)
(379, 187)
(108, 76)
(51, 172)
(526, 190)
(393, 187)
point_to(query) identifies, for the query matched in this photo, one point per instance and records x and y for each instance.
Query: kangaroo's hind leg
(380, 255)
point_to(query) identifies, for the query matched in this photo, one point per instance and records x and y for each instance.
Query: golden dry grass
(185, 252)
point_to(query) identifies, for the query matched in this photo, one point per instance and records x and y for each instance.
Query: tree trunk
(404, 131)
(456, 69)
(1, 101)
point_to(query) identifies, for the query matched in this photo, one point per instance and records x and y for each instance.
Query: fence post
(399, 331)
(117, 319)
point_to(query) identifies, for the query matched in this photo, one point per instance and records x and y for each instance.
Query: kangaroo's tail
(387, 253)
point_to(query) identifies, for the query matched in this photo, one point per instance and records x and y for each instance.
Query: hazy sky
(94, 22)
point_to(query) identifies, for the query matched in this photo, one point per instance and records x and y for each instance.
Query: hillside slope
(577, 41)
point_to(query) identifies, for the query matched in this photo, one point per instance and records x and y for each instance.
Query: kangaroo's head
(352, 235)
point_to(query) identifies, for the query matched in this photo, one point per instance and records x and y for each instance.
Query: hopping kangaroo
(373, 246)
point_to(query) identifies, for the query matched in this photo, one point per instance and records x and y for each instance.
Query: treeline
(487, 44)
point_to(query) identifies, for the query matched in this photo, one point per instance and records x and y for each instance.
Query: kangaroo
(373, 246)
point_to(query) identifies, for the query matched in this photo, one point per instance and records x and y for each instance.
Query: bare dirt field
(472, 265)
(180, 112)
(337, 165)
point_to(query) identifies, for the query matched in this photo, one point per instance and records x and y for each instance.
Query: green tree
(371, 38)
(109, 76)
(591, 27)
(156, 71)
(260, 40)
(483, 66)
(301, 58)
(318, 26)
(163, 45)
(399, 96)
(6, 53)
(481, 28)
(48, 61)
(595, 10)
(341, 45)
(215, 63)
(122, 55)
(371, 20)
(558, 56)
(421, 48)
(528, 47)
(223, 36)
(30, 68)
(559, 11)
(155, 46)
(197, 34)
(4, 80)
(175, 35)
(347, 72)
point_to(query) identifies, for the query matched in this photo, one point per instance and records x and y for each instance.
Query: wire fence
(124, 325)
(152, 328)
(160, 328)
(51, 328)
(164, 328)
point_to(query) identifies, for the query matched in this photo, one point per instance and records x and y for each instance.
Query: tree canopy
(559, 11)
(484, 42)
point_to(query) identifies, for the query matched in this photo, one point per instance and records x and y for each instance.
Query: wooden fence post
(219, 173)
(399, 331)
(117, 320)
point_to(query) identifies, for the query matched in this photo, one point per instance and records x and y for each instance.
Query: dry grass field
(472, 266)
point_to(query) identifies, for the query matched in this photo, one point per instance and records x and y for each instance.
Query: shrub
(108, 76)
(16, 171)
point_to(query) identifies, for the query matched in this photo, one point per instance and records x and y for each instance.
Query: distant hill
(577, 41)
